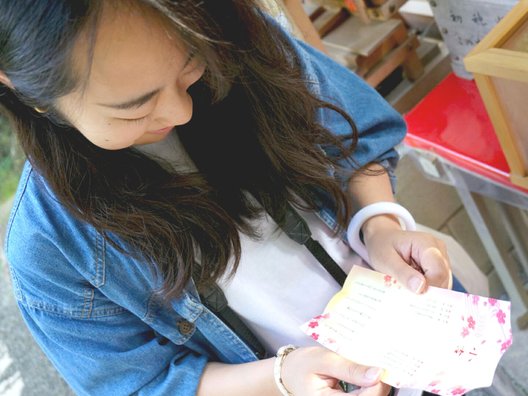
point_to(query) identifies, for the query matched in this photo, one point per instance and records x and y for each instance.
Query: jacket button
(185, 327)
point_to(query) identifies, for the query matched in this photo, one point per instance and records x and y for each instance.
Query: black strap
(297, 229)
(214, 299)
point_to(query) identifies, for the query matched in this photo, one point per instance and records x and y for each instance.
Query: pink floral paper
(441, 341)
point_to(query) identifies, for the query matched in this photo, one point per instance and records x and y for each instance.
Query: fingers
(345, 370)
(408, 274)
(436, 267)
(315, 368)
(418, 260)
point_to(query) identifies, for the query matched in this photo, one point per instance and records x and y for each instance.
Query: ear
(5, 80)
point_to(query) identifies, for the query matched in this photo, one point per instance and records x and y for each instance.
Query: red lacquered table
(451, 138)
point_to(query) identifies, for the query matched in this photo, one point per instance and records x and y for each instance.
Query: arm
(117, 358)
(306, 371)
(119, 355)
(381, 128)
(114, 355)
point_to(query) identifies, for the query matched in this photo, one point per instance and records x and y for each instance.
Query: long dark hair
(254, 130)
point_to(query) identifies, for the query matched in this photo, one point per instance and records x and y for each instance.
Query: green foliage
(11, 161)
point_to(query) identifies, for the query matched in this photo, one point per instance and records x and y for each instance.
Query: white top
(279, 285)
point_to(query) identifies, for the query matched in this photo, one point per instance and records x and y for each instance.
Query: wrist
(379, 222)
(369, 212)
(282, 353)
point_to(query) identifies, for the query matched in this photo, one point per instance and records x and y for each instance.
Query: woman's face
(138, 81)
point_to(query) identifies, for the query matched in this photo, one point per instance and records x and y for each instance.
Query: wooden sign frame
(490, 63)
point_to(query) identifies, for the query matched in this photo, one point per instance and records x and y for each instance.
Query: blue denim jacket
(94, 311)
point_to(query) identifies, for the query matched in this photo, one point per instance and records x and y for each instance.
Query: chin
(149, 138)
(114, 146)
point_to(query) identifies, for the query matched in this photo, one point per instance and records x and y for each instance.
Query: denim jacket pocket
(80, 301)
(47, 278)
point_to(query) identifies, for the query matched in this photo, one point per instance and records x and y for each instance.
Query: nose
(175, 107)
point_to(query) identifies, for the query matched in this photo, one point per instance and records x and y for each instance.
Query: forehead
(132, 47)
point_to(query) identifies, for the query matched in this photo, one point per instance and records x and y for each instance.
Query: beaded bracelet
(277, 367)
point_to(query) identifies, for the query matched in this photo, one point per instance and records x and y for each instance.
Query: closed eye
(133, 120)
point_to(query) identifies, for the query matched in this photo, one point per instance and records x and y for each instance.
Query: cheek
(97, 128)
(111, 135)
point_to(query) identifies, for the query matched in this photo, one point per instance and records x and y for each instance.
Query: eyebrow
(134, 103)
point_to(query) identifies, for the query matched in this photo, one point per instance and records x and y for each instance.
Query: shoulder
(37, 216)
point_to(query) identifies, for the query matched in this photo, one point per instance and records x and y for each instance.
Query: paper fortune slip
(442, 341)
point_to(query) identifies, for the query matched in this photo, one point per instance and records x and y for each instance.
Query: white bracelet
(277, 367)
(375, 209)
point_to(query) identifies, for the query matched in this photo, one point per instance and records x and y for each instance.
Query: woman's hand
(416, 259)
(316, 371)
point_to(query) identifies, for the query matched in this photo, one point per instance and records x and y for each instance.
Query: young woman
(165, 141)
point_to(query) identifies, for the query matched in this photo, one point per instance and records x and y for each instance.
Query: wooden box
(499, 64)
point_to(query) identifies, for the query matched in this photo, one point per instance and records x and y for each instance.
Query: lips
(162, 131)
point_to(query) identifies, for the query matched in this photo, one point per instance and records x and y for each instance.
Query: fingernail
(372, 373)
(415, 284)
